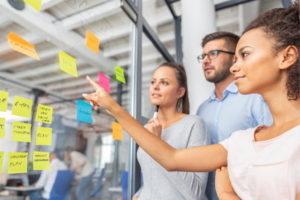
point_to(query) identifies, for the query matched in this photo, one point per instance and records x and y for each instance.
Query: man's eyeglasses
(212, 55)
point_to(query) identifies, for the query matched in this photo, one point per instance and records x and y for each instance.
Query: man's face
(216, 70)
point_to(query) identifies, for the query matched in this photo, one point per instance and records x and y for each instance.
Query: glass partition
(78, 138)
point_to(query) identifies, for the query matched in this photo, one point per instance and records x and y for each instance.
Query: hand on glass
(154, 126)
(135, 198)
(223, 185)
(100, 98)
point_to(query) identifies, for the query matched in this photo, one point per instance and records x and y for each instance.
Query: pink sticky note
(104, 82)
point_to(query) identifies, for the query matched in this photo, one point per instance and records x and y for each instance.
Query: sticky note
(41, 160)
(104, 82)
(21, 132)
(17, 163)
(2, 127)
(36, 4)
(22, 107)
(67, 63)
(84, 112)
(3, 101)
(20, 45)
(117, 131)
(44, 114)
(92, 42)
(43, 136)
(120, 74)
(1, 160)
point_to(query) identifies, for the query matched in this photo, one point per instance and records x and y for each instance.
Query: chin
(245, 90)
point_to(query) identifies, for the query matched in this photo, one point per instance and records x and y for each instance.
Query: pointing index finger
(93, 83)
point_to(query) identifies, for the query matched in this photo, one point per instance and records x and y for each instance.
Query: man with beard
(226, 110)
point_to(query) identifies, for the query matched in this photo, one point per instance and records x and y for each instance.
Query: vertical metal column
(178, 39)
(134, 170)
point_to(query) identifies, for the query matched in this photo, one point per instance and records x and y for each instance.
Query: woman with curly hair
(263, 162)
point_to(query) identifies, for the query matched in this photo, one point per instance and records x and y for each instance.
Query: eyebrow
(241, 49)
(161, 79)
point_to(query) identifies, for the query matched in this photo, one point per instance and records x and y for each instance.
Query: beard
(220, 74)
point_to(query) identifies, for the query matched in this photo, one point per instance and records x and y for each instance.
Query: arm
(76, 167)
(224, 188)
(197, 159)
(192, 185)
(42, 180)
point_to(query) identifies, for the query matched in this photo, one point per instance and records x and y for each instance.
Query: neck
(222, 85)
(284, 111)
(167, 115)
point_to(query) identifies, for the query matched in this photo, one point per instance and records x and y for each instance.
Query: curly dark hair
(283, 25)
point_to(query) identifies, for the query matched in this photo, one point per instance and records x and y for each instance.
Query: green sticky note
(21, 132)
(1, 160)
(120, 74)
(36, 4)
(67, 63)
(2, 127)
(17, 163)
(3, 101)
(41, 160)
(22, 107)
(43, 136)
(44, 114)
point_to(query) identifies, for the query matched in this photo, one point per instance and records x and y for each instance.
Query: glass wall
(80, 142)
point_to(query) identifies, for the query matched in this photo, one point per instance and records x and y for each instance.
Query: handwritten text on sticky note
(17, 163)
(120, 74)
(44, 114)
(43, 136)
(19, 44)
(3, 101)
(1, 160)
(84, 112)
(41, 160)
(21, 132)
(92, 41)
(36, 4)
(104, 82)
(67, 63)
(117, 131)
(22, 107)
(2, 127)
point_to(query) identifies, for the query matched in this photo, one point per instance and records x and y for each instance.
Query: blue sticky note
(84, 112)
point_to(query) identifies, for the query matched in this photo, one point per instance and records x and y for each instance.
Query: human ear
(181, 92)
(289, 56)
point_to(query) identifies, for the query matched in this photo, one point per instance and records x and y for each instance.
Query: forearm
(151, 144)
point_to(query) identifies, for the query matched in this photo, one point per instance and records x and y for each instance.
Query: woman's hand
(135, 198)
(223, 185)
(154, 126)
(100, 97)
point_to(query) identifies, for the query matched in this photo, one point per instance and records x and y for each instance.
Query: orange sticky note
(92, 42)
(19, 44)
(117, 131)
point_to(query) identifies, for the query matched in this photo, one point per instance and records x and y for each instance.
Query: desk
(24, 189)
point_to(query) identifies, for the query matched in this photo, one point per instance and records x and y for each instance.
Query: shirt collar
(232, 88)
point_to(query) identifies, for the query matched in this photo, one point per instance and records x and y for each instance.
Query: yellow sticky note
(67, 63)
(117, 131)
(21, 132)
(20, 45)
(36, 4)
(17, 163)
(22, 107)
(92, 41)
(43, 136)
(1, 160)
(2, 127)
(44, 114)
(41, 160)
(120, 74)
(3, 101)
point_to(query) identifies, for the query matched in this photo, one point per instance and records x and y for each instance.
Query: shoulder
(243, 135)
(202, 105)
(195, 119)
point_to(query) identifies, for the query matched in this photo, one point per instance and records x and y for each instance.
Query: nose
(206, 60)
(156, 86)
(235, 68)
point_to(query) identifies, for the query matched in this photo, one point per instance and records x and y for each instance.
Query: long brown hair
(183, 104)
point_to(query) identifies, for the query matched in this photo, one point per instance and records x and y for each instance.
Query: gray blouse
(159, 184)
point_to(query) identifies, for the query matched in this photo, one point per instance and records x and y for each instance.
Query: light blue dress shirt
(232, 113)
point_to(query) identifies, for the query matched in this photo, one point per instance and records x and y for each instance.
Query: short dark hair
(283, 25)
(230, 38)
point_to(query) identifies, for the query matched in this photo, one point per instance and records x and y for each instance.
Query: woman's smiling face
(257, 66)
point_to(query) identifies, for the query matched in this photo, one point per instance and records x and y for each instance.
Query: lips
(156, 95)
(237, 78)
